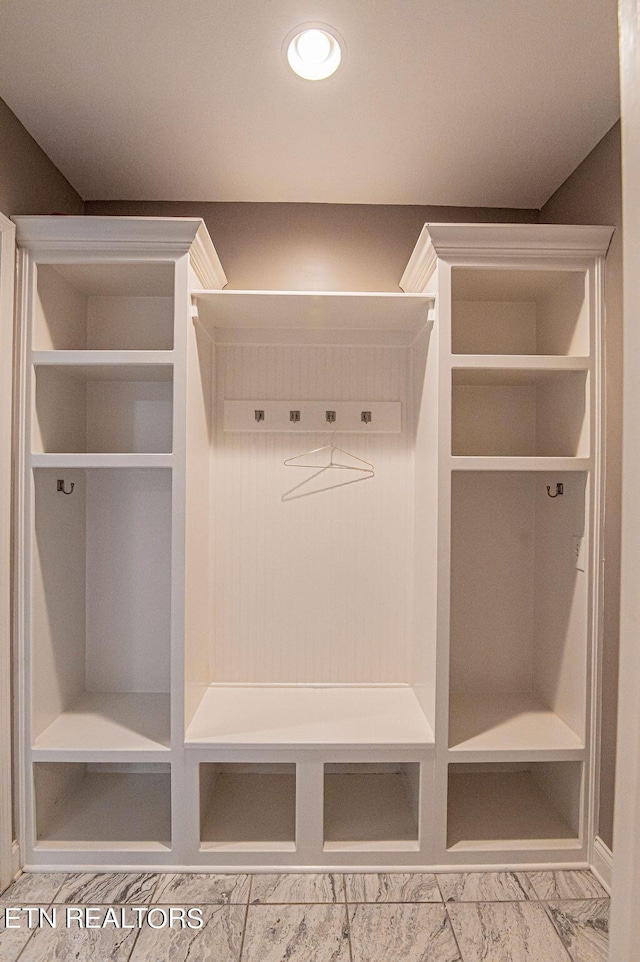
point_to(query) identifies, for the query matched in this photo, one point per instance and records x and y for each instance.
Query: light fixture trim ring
(310, 69)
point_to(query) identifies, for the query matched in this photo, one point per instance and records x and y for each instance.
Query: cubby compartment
(103, 409)
(519, 611)
(247, 806)
(103, 307)
(504, 311)
(299, 630)
(514, 805)
(370, 805)
(84, 806)
(101, 609)
(519, 413)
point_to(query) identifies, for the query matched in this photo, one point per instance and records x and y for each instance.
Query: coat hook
(559, 490)
(330, 416)
(61, 486)
(259, 415)
(365, 416)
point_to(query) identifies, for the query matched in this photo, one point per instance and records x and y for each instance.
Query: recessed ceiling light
(314, 51)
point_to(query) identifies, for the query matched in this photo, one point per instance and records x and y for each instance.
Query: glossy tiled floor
(479, 917)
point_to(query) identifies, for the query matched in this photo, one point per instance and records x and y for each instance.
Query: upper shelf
(322, 315)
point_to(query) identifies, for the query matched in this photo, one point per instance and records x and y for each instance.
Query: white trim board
(455, 240)
(602, 863)
(286, 868)
(625, 918)
(7, 272)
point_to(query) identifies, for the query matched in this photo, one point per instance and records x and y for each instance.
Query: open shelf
(519, 413)
(504, 311)
(247, 806)
(519, 611)
(102, 461)
(110, 721)
(86, 806)
(309, 715)
(514, 806)
(108, 306)
(229, 314)
(101, 606)
(103, 408)
(507, 722)
(369, 805)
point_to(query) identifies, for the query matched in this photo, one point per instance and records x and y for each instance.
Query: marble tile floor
(467, 917)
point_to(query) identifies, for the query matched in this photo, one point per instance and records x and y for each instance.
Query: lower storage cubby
(514, 805)
(82, 806)
(371, 804)
(243, 805)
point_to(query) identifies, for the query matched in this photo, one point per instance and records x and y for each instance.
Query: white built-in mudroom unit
(308, 579)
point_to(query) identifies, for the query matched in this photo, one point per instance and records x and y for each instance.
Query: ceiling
(449, 102)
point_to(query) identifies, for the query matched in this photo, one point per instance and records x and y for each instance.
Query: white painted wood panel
(493, 573)
(517, 721)
(301, 310)
(58, 606)
(10, 346)
(59, 313)
(109, 721)
(130, 323)
(199, 585)
(425, 537)
(301, 715)
(562, 646)
(128, 580)
(315, 589)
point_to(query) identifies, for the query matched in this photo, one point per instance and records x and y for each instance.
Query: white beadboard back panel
(562, 599)
(493, 568)
(58, 595)
(315, 589)
(519, 604)
(128, 557)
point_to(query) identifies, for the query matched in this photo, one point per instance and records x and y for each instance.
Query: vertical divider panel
(309, 808)
(179, 787)
(440, 787)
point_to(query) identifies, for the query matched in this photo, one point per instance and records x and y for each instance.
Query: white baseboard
(602, 863)
(16, 861)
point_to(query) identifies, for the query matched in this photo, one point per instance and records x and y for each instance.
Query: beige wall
(317, 247)
(593, 195)
(29, 182)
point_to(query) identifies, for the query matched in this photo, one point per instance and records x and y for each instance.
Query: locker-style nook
(308, 579)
